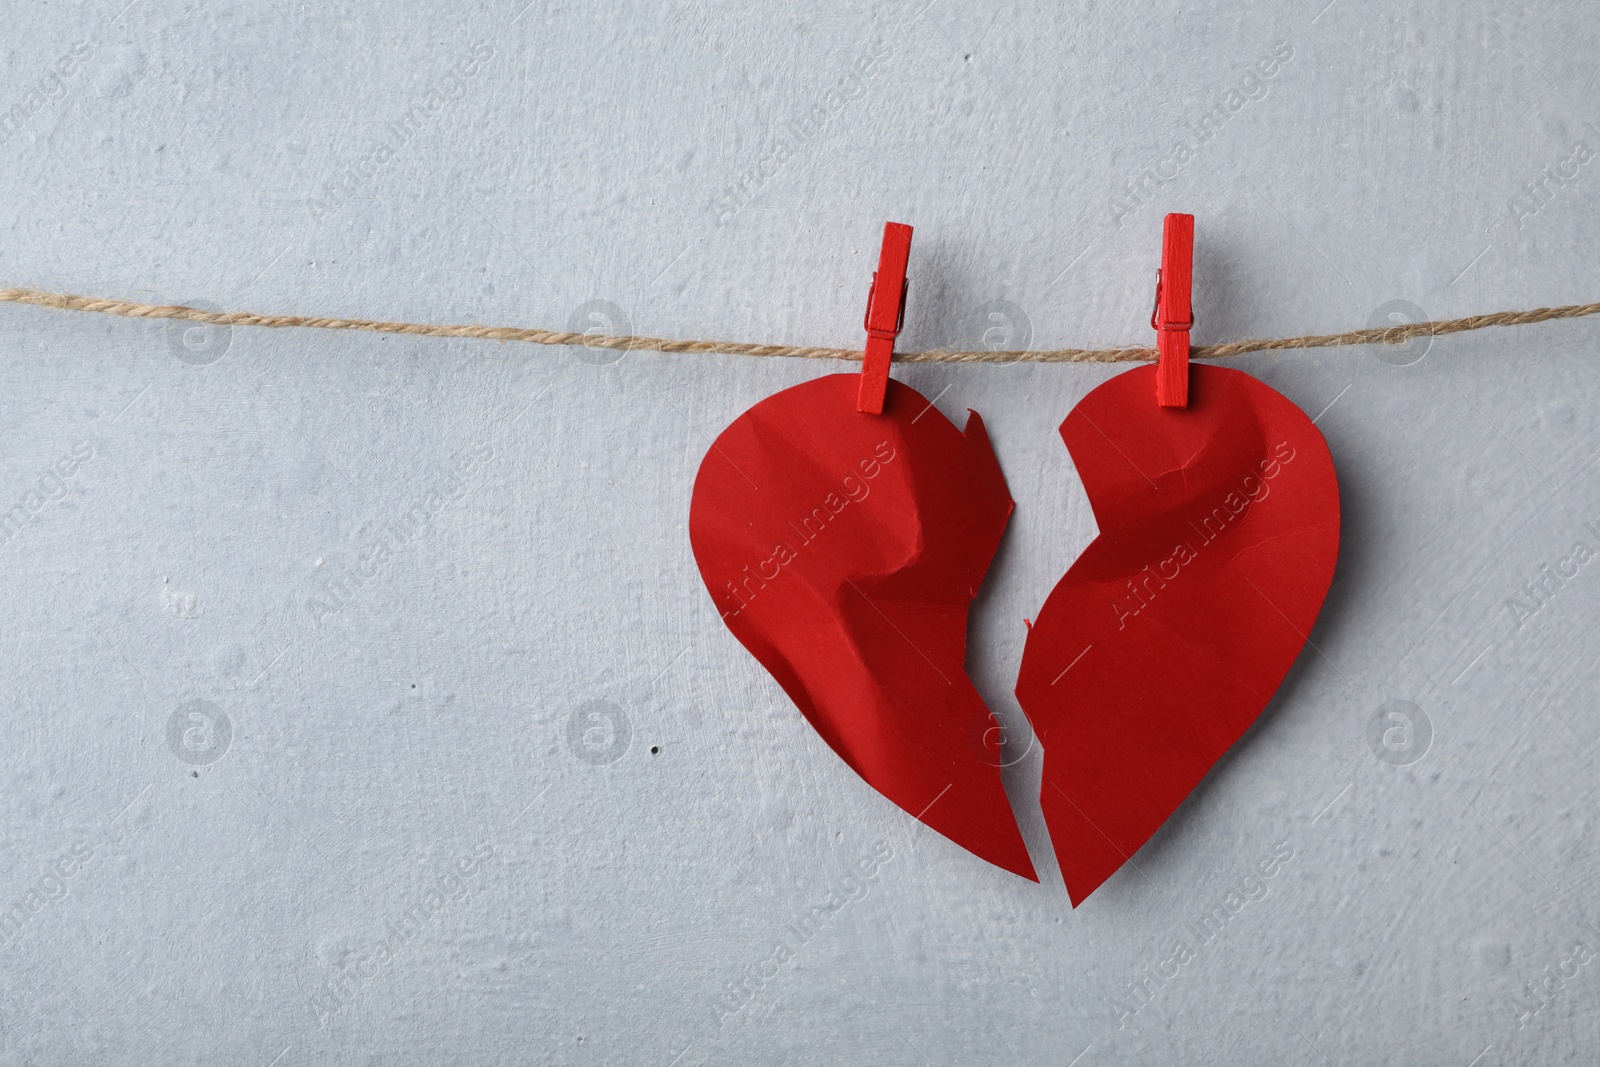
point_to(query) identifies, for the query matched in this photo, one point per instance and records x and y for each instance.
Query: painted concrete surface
(364, 704)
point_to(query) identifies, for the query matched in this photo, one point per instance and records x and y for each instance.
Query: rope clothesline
(1379, 335)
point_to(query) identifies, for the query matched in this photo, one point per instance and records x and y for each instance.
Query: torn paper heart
(1219, 529)
(843, 549)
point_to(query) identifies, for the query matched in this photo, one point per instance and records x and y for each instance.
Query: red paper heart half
(843, 549)
(1219, 529)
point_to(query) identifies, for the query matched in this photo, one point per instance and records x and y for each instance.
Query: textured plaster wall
(362, 703)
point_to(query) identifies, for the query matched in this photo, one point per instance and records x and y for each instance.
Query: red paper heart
(842, 550)
(1219, 529)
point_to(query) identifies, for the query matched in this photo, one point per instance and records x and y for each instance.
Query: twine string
(1379, 335)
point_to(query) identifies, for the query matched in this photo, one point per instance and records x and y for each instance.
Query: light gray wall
(223, 484)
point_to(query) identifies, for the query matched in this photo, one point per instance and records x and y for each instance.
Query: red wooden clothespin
(1173, 314)
(886, 311)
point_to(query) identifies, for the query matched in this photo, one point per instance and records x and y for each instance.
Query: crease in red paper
(843, 551)
(1162, 644)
